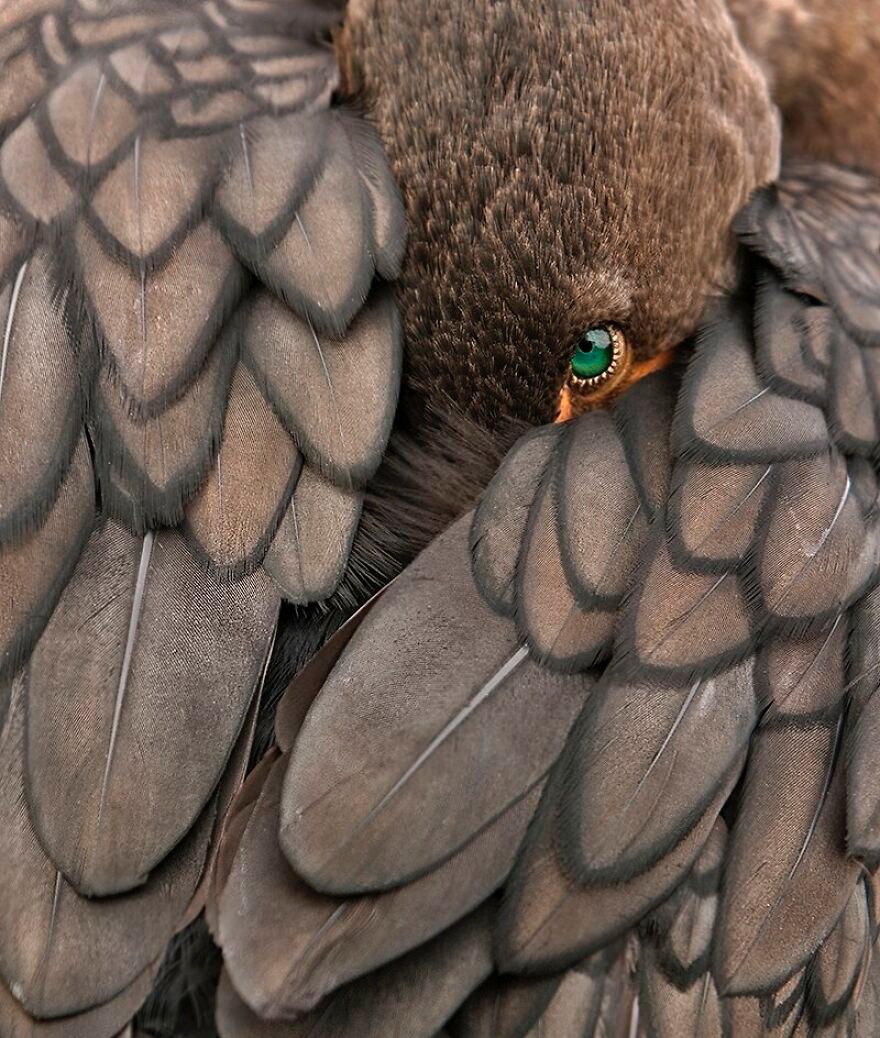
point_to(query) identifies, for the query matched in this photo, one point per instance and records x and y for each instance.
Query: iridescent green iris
(593, 354)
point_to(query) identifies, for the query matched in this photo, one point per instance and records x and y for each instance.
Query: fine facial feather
(818, 56)
(543, 222)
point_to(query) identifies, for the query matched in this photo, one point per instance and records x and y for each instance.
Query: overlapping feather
(175, 184)
(704, 555)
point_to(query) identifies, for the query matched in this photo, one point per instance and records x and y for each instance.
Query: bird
(524, 352)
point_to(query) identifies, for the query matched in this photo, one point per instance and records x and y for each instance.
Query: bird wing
(199, 366)
(627, 706)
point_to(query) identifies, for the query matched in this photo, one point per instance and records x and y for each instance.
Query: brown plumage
(601, 761)
(194, 360)
(819, 59)
(561, 164)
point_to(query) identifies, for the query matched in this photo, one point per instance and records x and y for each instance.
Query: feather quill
(38, 430)
(323, 266)
(787, 879)
(231, 520)
(287, 947)
(384, 785)
(410, 998)
(60, 953)
(549, 921)
(714, 512)
(157, 331)
(642, 765)
(273, 169)
(680, 623)
(726, 414)
(145, 659)
(309, 552)
(336, 398)
(817, 553)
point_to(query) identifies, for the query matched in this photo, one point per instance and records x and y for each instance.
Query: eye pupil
(593, 354)
(600, 362)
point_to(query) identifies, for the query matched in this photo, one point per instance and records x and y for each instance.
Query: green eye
(594, 353)
(598, 354)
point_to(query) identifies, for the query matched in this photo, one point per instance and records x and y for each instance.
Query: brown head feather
(562, 163)
(820, 57)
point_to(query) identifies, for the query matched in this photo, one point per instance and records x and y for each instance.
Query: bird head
(570, 172)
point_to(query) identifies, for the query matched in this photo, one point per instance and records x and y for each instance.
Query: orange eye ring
(579, 395)
(601, 362)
